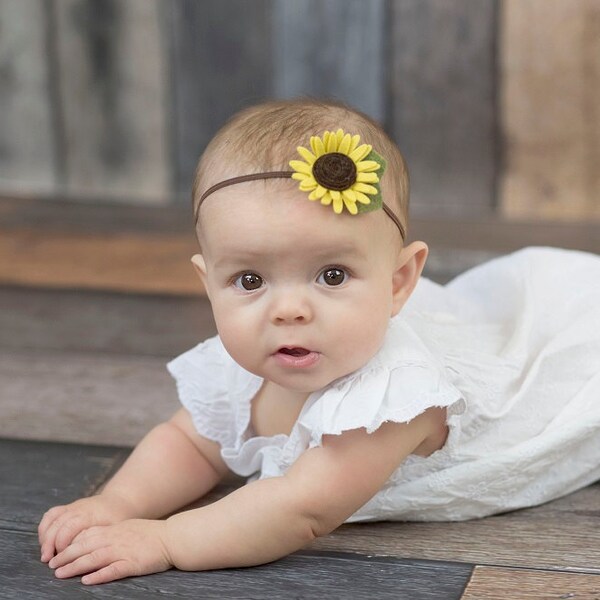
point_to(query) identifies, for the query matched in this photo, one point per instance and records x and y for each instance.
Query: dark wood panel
(37, 476)
(85, 397)
(491, 583)
(220, 62)
(89, 321)
(442, 97)
(331, 48)
(301, 575)
(27, 136)
(112, 94)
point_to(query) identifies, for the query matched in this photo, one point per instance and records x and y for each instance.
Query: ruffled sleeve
(201, 378)
(400, 383)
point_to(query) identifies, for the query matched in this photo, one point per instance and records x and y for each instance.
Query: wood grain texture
(158, 264)
(220, 62)
(331, 49)
(27, 150)
(89, 398)
(550, 70)
(442, 99)
(36, 476)
(563, 534)
(75, 321)
(491, 583)
(112, 83)
(147, 249)
(24, 577)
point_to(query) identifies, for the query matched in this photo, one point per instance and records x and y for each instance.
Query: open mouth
(296, 357)
(294, 351)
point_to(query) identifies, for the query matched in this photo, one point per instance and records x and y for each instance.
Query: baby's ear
(409, 267)
(200, 267)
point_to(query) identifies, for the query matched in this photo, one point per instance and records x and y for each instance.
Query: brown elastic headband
(278, 175)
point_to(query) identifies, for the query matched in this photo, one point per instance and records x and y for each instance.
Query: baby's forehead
(288, 226)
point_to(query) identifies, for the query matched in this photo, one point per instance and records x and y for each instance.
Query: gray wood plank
(112, 83)
(86, 321)
(331, 48)
(26, 125)
(37, 476)
(443, 102)
(301, 575)
(83, 397)
(221, 62)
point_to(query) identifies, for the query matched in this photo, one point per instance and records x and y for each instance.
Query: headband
(338, 172)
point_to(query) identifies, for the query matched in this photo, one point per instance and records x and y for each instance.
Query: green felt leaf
(377, 199)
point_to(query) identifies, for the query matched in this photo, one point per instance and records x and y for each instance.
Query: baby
(337, 406)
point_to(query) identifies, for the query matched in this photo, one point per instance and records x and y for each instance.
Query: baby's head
(264, 138)
(301, 295)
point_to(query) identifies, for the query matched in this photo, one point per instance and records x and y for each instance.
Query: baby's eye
(333, 276)
(249, 281)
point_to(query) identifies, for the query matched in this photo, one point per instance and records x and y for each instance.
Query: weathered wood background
(495, 103)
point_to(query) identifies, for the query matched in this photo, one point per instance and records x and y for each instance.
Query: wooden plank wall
(493, 101)
(550, 63)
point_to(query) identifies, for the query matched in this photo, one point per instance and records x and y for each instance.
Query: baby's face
(301, 296)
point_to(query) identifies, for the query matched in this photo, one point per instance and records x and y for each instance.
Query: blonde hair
(264, 137)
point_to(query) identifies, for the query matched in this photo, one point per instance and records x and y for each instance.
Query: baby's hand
(131, 548)
(61, 524)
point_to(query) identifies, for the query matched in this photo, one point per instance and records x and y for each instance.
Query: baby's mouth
(295, 351)
(296, 357)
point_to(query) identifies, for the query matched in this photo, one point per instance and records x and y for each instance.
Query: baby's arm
(258, 523)
(171, 467)
(270, 518)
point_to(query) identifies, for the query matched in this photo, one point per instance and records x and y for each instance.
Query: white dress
(511, 347)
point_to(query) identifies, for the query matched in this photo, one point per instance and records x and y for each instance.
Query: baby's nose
(291, 306)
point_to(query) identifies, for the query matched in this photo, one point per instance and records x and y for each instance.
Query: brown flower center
(334, 171)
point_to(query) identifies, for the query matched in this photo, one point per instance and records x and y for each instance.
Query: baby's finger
(117, 570)
(48, 518)
(97, 559)
(49, 544)
(68, 531)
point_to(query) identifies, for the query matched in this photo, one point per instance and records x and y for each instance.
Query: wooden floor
(83, 348)
(551, 551)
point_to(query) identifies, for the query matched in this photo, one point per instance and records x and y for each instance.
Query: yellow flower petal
(313, 195)
(354, 144)
(351, 206)
(344, 146)
(320, 191)
(367, 178)
(307, 185)
(338, 205)
(339, 134)
(335, 195)
(367, 165)
(316, 143)
(301, 176)
(301, 167)
(361, 152)
(360, 197)
(349, 195)
(307, 155)
(331, 144)
(364, 187)
(326, 199)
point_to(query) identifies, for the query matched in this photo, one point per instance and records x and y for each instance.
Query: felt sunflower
(340, 171)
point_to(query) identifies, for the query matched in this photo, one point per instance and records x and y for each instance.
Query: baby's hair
(264, 137)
